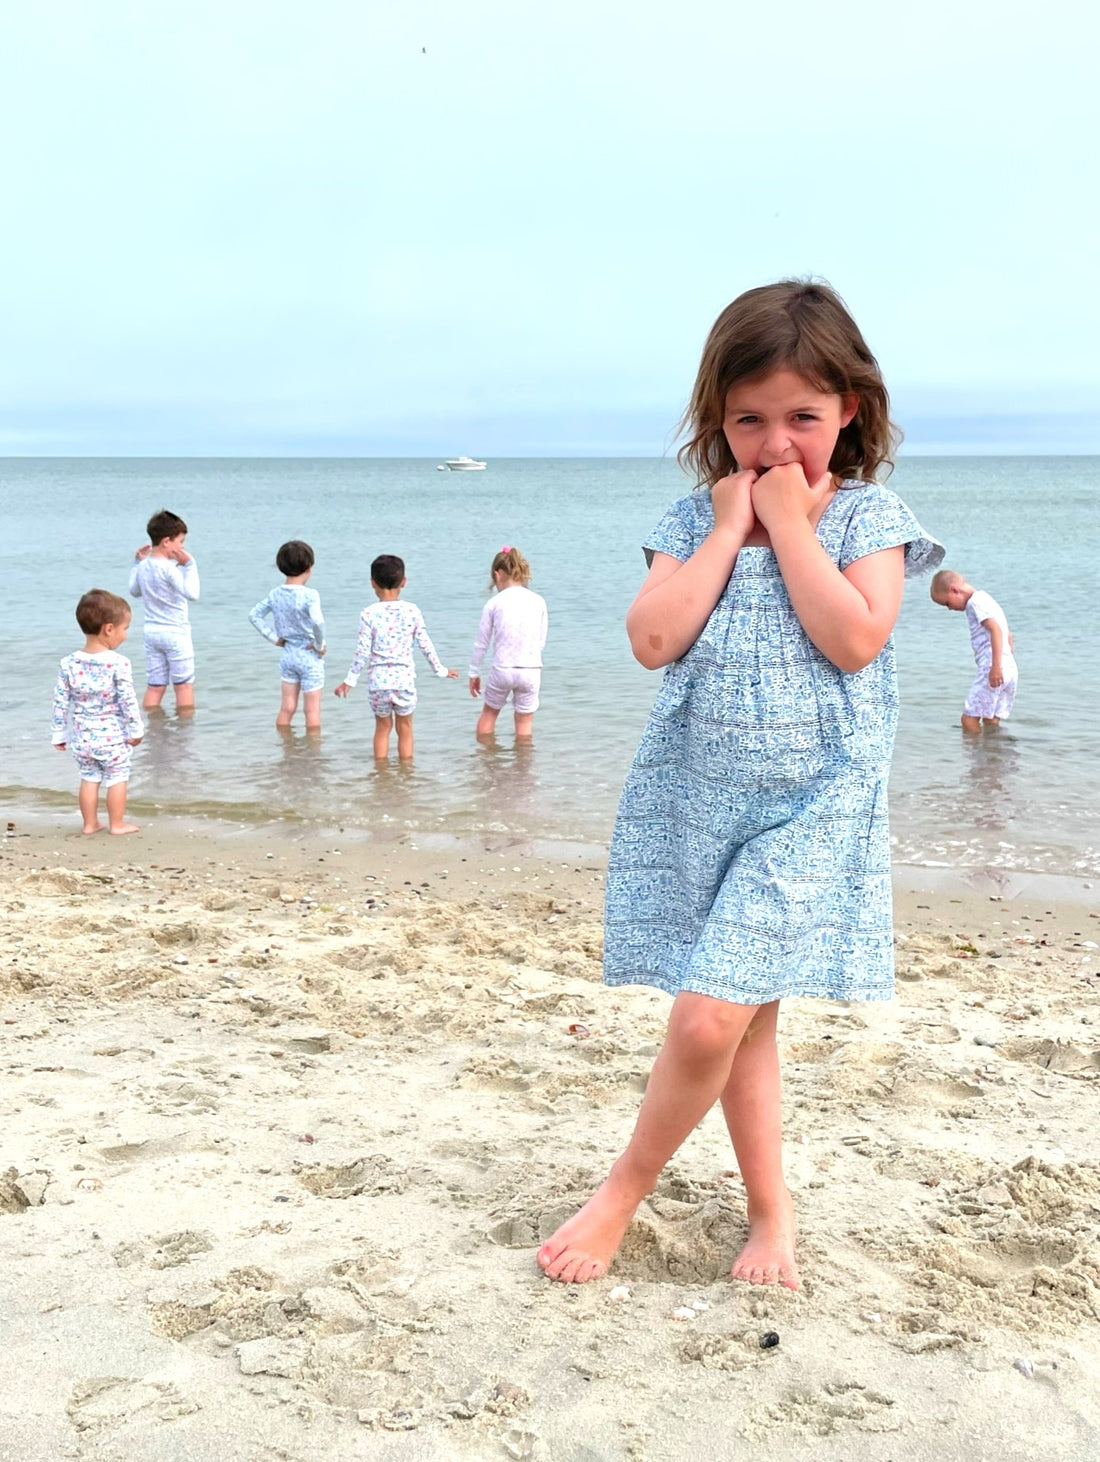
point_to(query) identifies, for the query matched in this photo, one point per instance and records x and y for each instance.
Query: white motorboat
(461, 464)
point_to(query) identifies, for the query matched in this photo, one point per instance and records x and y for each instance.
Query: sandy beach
(286, 1119)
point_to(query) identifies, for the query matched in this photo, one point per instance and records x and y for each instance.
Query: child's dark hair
(99, 607)
(511, 562)
(164, 525)
(387, 570)
(294, 558)
(795, 325)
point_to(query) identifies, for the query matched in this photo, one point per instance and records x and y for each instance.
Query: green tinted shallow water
(1024, 528)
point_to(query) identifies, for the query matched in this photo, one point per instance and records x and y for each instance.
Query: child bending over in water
(750, 859)
(991, 697)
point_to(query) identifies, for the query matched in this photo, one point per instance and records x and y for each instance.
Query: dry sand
(284, 1122)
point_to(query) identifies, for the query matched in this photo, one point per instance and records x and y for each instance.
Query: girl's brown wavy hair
(796, 325)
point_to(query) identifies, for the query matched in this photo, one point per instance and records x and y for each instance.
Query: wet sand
(287, 1119)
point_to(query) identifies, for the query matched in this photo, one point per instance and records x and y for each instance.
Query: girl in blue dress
(750, 859)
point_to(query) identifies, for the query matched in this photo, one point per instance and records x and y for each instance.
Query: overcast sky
(348, 226)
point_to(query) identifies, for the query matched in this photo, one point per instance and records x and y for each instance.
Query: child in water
(95, 710)
(750, 859)
(993, 693)
(298, 629)
(165, 578)
(387, 632)
(515, 623)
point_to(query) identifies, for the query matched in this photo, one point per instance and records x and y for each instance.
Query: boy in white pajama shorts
(95, 710)
(387, 632)
(991, 697)
(165, 578)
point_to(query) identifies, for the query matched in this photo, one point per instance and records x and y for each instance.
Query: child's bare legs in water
(288, 705)
(487, 724)
(383, 725)
(707, 1056)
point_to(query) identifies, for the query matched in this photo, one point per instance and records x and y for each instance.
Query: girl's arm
(127, 700)
(673, 605)
(484, 635)
(61, 697)
(362, 650)
(258, 615)
(847, 614)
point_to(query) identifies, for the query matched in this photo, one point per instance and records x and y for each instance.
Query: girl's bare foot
(91, 827)
(125, 827)
(585, 1244)
(768, 1256)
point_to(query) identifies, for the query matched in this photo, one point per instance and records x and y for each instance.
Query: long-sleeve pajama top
(387, 632)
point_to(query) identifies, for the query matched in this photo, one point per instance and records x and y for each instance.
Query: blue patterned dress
(751, 855)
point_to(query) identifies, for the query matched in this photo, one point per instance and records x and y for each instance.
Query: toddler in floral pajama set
(387, 632)
(95, 709)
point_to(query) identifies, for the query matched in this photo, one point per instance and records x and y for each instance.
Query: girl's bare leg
(185, 698)
(88, 802)
(525, 725)
(972, 725)
(382, 728)
(153, 696)
(311, 703)
(116, 810)
(487, 723)
(687, 1079)
(289, 702)
(751, 1102)
(404, 737)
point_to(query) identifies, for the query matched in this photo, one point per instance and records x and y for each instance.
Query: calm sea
(1026, 529)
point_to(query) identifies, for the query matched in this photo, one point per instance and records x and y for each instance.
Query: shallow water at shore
(1021, 527)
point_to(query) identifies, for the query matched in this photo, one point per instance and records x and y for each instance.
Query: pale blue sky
(250, 226)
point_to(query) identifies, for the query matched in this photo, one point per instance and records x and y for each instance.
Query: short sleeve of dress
(881, 520)
(675, 534)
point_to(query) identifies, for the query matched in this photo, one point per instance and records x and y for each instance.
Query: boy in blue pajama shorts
(165, 578)
(298, 629)
(95, 710)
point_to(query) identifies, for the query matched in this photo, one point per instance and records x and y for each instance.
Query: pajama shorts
(991, 702)
(392, 691)
(111, 766)
(301, 665)
(169, 654)
(521, 682)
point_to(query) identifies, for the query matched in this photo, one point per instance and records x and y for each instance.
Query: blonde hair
(511, 562)
(944, 580)
(795, 325)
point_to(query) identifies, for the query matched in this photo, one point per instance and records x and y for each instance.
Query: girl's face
(781, 418)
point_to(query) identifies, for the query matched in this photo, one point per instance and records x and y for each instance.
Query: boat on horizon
(461, 464)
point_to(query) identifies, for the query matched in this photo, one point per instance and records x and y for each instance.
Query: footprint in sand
(365, 1177)
(100, 1402)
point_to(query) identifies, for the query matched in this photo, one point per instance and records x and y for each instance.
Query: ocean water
(1023, 528)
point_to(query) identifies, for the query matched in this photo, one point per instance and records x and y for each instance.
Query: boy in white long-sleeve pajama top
(165, 578)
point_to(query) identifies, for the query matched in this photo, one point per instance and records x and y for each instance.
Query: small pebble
(1024, 1366)
(769, 1340)
(619, 1293)
(683, 1313)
